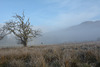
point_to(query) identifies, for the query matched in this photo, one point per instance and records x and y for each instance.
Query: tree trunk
(25, 43)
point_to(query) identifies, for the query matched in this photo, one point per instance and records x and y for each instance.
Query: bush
(51, 58)
(86, 57)
(17, 63)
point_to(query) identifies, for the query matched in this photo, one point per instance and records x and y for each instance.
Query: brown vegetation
(73, 55)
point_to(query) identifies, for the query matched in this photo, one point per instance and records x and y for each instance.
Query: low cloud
(65, 13)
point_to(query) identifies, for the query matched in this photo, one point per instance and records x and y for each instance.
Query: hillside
(86, 31)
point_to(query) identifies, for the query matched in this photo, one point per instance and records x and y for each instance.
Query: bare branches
(3, 32)
(22, 30)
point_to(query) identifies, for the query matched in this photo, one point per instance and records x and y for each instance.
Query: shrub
(86, 57)
(17, 63)
(51, 58)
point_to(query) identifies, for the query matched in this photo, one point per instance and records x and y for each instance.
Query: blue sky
(51, 15)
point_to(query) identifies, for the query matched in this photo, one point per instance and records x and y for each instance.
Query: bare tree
(21, 29)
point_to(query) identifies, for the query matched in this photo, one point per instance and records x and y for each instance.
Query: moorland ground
(62, 55)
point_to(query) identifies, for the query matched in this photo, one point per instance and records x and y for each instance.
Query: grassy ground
(62, 55)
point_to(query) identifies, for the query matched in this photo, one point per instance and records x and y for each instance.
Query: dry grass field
(62, 55)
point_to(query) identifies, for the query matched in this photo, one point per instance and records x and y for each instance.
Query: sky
(50, 15)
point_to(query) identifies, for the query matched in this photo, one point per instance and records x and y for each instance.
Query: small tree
(21, 29)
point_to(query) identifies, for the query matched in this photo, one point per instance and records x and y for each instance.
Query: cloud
(64, 13)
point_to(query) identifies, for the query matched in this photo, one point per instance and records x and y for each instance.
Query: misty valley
(49, 33)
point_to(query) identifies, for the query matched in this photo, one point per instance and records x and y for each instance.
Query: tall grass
(64, 55)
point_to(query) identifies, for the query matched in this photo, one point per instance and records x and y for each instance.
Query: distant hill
(86, 31)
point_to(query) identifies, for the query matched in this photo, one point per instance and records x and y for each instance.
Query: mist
(86, 31)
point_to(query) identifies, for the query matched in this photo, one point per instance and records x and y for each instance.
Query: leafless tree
(22, 30)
